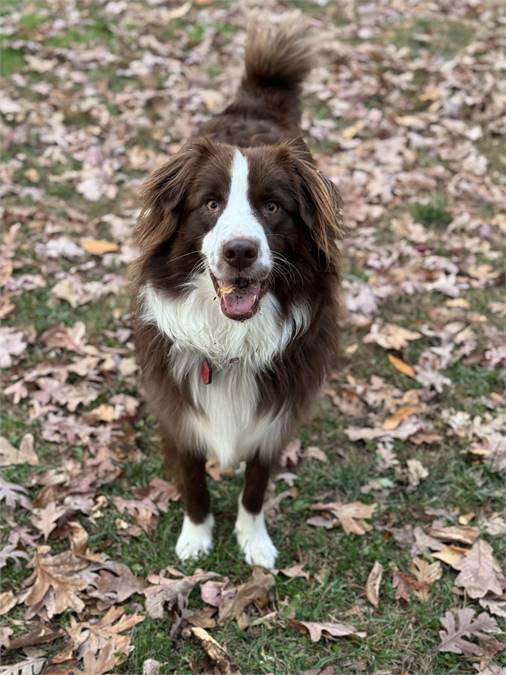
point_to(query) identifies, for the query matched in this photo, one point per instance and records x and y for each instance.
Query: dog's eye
(212, 205)
(271, 208)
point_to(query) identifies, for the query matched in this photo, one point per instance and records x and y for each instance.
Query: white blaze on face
(237, 221)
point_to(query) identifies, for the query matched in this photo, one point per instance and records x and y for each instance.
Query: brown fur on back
(266, 108)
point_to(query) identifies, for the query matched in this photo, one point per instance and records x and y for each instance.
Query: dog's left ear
(320, 207)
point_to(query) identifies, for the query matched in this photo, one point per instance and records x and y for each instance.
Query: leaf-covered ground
(389, 515)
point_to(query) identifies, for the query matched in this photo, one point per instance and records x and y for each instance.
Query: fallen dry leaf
(55, 583)
(103, 413)
(480, 572)
(351, 131)
(495, 525)
(71, 338)
(495, 605)
(45, 519)
(160, 492)
(451, 554)
(5, 635)
(423, 543)
(12, 345)
(316, 629)
(151, 667)
(42, 635)
(313, 452)
(12, 494)
(295, 571)
(79, 541)
(98, 246)
(255, 590)
(405, 584)
(461, 626)
(116, 584)
(291, 453)
(165, 591)
(94, 635)
(103, 661)
(28, 667)
(458, 533)
(144, 511)
(7, 601)
(390, 336)
(416, 472)
(219, 657)
(399, 416)
(202, 618)
(373, 584)
(352, 517)
(25, 455)
(401, 366)
(426, 574)
(177, 12)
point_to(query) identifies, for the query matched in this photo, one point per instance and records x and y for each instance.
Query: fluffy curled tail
(278, 58)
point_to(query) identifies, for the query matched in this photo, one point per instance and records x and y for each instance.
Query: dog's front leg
(196, 536)
(250, 528)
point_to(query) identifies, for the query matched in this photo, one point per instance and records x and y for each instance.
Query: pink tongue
(240, 302)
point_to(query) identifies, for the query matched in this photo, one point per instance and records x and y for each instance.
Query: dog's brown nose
(240, 253)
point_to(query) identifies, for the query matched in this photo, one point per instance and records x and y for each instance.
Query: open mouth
(239, 298)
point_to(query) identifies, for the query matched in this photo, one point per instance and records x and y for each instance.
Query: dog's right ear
(163, 195)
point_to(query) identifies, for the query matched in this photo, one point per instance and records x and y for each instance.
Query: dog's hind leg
(250, 527)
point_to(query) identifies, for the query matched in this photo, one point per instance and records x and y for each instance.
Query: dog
(236, 289)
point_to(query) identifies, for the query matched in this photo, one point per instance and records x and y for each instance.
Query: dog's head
(247, 217)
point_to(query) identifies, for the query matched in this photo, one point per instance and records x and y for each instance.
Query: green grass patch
(42, 310)
(11, 60)
(433, 213)
(30, 23)
(96, 30)
(441, 37)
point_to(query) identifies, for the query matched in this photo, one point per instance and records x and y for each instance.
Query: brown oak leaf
(165, 591)
(316, 629)
(352, 516)
(10, 455)
(92, 636)
(459, 534)
(479, 571)
(55, 583)
(116, 584)
(45, 519)
(12, 494)
(461, 626)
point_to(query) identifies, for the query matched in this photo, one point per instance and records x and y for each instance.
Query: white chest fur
(226, 423)
(228, 426)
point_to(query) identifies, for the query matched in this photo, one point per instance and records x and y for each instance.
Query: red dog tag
(205, 372)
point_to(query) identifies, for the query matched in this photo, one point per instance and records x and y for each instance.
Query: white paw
(254, 539)
(195, 540)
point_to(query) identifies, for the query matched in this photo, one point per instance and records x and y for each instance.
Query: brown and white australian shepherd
(236, 310)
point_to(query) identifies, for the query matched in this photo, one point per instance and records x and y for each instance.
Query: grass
(433, 213)
(347, 559)
(441, 37)
(393, 642)
(401, 637)
(11, 60)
